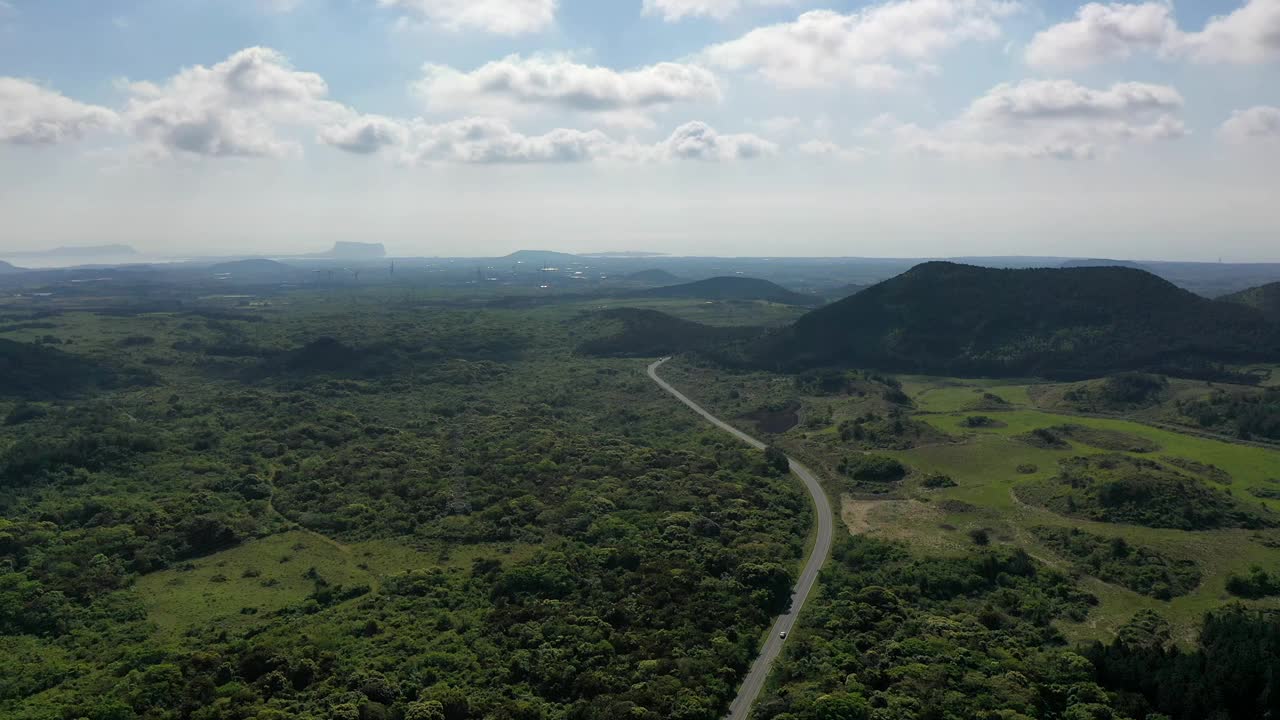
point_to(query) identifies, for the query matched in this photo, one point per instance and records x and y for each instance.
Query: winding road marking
(754, 682)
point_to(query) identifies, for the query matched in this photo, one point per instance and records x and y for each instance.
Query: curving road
(755, 680)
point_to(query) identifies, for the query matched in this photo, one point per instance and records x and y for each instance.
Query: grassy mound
(1124, 489)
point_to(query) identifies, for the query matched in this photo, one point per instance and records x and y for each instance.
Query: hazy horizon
(46, 259)
(893, 128)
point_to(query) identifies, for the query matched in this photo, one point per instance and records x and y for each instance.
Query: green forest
(388, 505)
(531, 534)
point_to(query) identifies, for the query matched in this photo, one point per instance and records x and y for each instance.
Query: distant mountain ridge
(1265, 299)
(1099, 262)
(8, 268)
(948, 319)
(85, 251)
(732, 288)
(652, 277)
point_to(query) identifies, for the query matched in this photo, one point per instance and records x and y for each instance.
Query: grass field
(985, 463)
(237, 588)
(988, 463)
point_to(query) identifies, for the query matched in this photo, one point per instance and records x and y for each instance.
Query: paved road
(754, 683)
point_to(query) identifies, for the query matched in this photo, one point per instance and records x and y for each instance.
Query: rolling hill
(633, 332)
(8, 268)
(731, 288)
(260, 270)
(652, 277)
(943, 318)
(541, 257)
(1265, 299)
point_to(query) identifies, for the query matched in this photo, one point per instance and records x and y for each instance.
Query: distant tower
(393, 268)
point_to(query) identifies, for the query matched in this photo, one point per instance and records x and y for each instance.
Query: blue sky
(747, 127)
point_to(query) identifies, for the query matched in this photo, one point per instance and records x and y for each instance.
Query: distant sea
(41, 262)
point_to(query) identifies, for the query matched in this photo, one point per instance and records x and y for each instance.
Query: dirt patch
(856, 514)
(888, 518)
(776, 421)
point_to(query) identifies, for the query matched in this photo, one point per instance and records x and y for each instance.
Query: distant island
(541, 257)
(1101, 262)
(357, 251)
(84, 251)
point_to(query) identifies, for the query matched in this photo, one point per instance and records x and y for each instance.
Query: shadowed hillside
(38, 372)
(964, 320)
(632, 332)
(1265, 299)
(732, 288)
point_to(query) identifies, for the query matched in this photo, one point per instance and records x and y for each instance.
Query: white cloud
(677, 10)
(1034, 101)
(699, 141)
(490, 141)
(780, 125)
(1248, 35)
(1115, 31)
(1257, 124)
(829, 150)
(502, 17)
(493, 141)
(33, 115)
(1101, 33)
(871, 49)
(1051, 119)
(515, 83)
(365, 135)
(234, 109)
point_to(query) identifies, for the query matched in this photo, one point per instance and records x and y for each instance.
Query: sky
(906, 128)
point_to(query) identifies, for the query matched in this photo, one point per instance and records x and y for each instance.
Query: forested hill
(653, 277)
(732, 288)
(36, 372)
(963, 320)
(635, 332)
(257, 269)
(1265, 299)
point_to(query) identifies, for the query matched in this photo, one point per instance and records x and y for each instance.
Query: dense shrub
(1115, 560)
